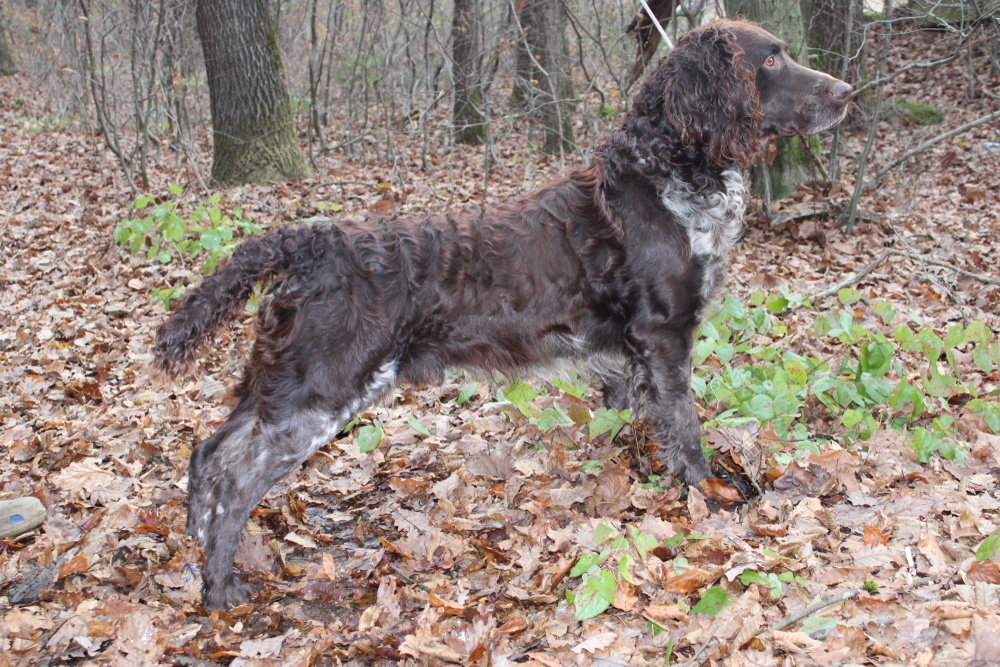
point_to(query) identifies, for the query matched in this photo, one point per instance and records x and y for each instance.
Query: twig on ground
(408, 580)
(874, 180)
(701, 649)
(853, 280)
(945, 265)
(813, 608)
(367, 184)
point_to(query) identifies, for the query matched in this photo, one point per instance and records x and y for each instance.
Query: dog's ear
(710, 96)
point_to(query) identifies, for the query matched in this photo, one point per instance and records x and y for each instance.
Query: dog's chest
(713, 223)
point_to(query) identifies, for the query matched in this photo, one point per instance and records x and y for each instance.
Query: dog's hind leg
(237, 466)
(201, 490)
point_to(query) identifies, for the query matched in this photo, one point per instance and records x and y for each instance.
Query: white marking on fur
(382, 381)
(713, 222)
(328, 428)
(219, 509)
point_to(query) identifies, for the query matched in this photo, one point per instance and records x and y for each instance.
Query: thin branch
(813, 608)
(402, 575)
(656, 23)
(883, 56)
(367, 184)
(873, 181)
(936, 262)
(853, 280)
(694, 659)
(906, 68)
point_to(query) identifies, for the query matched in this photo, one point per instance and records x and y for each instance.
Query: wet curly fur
(611, 263)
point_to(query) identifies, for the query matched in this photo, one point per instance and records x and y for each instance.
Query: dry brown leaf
(625, 596)
(987, 572)
(85, 475)
(611, 492)
(875, 536)
(75, 565)
(595, 643)
(717, 490)
(750, 628)
(693, 579)
(447, 606)
(545, 659)
(660, 613)
(696, 506)
(929, 547)
(795, 642)
(843, 465)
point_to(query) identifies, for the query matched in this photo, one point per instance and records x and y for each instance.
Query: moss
(915, 113)
(791, 166)
(259, 151)
(470, 123)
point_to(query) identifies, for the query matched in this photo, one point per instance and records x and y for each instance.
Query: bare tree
(253, 127)
(140, 95)
(543, 70)
(8, 65)
(646, 35)
(469, 117)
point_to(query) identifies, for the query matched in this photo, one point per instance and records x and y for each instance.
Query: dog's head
(729, 83)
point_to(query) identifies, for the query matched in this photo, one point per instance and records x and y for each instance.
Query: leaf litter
(457, 539)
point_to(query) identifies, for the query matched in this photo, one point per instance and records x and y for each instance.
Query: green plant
(910, 112)
(172, 229)
(776, 582)
(370, 436)
(989, 547)
(877, 376)
(712, 601)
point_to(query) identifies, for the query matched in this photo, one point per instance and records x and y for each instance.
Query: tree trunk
(8, 65)
(543, 67)
(253, 129)
(791, 165)
(525, 70)
(469, 119)
(646, 35)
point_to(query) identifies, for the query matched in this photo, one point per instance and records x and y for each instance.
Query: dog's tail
(221, 296)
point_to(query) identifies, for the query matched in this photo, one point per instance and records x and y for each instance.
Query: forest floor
(457, 539)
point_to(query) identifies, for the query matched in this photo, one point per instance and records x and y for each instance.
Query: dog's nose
(841, 91)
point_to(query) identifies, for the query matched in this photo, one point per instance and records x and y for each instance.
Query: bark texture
(646, 35)
(253, 128)
(8, 66)
(791, 165)
(543, 70)
(468, 113)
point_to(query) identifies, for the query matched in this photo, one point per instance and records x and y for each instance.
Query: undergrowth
(174, 230)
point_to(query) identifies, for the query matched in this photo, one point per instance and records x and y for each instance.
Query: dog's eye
(771, 61)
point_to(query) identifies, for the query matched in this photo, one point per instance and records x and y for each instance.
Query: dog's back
(482, 288)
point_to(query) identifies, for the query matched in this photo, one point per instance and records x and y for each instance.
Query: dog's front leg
(663, 360)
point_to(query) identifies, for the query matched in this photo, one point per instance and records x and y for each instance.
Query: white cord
(663, 34)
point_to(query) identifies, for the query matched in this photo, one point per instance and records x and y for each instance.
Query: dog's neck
(713, 220)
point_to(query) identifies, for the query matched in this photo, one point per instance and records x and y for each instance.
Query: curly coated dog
(611, 263)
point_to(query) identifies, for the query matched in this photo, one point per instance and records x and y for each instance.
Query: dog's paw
(232, 594)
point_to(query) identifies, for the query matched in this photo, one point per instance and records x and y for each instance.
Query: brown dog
(611, 264)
